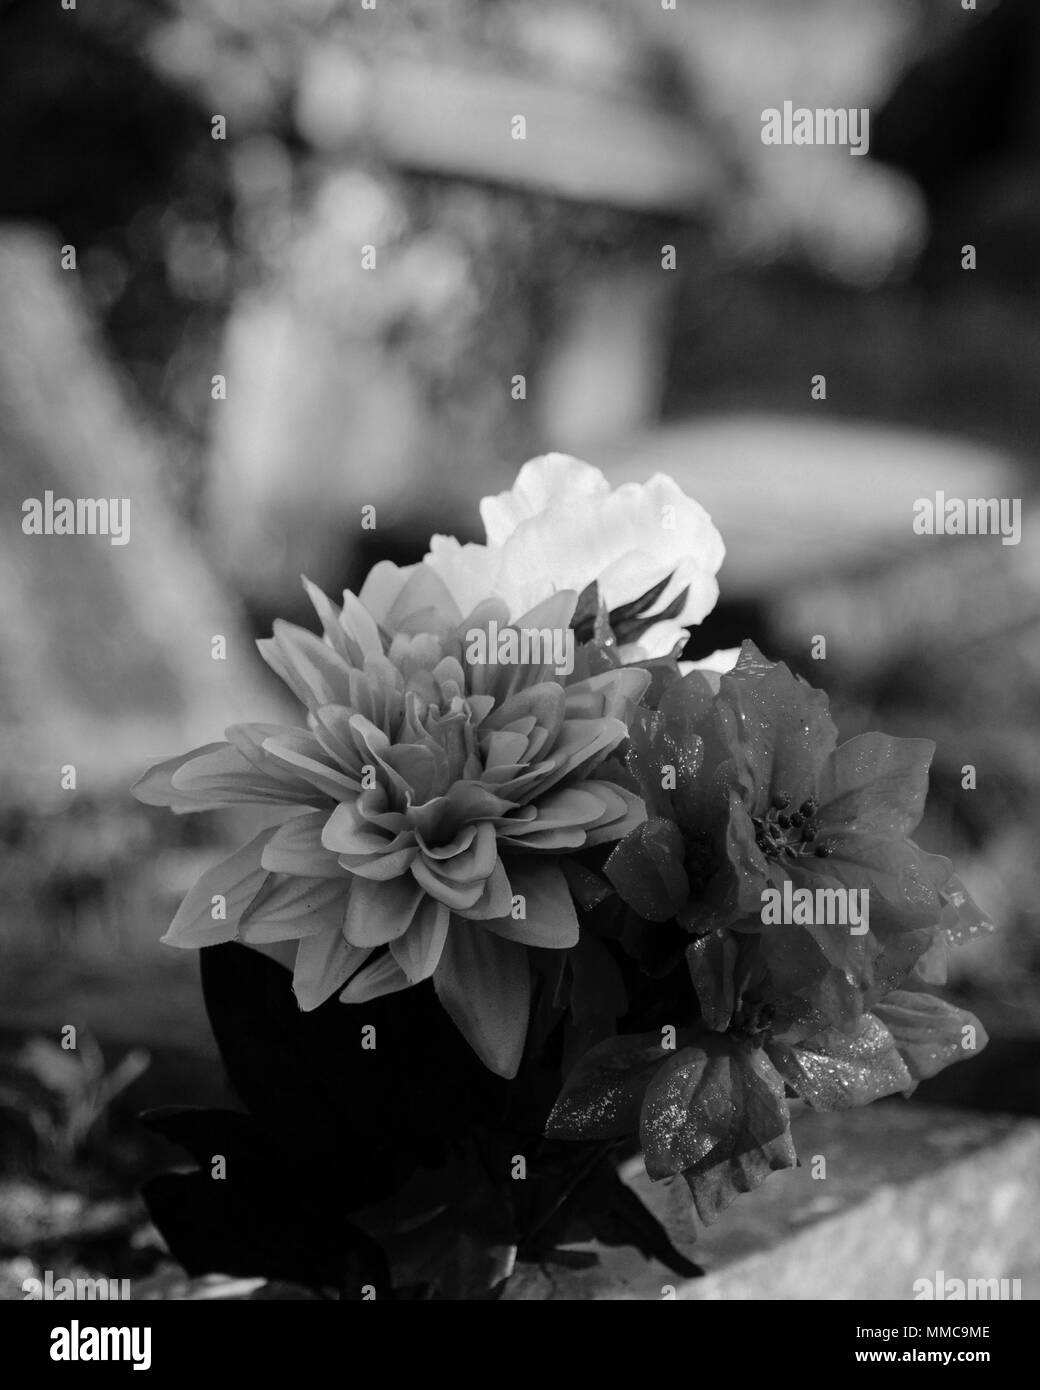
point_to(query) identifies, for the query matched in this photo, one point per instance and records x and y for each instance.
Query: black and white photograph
(519, 671)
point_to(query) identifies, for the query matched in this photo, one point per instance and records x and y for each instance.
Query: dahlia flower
(561, 526)
(428, 800)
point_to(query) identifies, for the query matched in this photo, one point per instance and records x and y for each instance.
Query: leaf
(586, 612)
(930, 1033)
(603, 1095)
(647, 870)
(836, 1071)
(625, 612)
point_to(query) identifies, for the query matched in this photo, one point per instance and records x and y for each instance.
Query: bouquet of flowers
(534, 895)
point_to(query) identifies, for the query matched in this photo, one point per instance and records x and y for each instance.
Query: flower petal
(217, 775)
(615, 825)
(287, 907)
(236, 880)
(379, 912)
(548, 917)
(323, 963)
(484, 983)
(301, 751)
(296, 848)
(418, 951)
(379, 977)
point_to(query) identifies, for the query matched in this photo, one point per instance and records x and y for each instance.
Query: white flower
(720, 661)
(561, 526)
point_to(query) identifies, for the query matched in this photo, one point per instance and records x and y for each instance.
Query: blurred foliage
(63, 1096)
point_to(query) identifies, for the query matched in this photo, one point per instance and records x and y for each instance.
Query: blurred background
(215, 350)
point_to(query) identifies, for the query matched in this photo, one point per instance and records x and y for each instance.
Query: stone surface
(909, 1191)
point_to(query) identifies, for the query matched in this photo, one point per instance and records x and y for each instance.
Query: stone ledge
(910, 1190)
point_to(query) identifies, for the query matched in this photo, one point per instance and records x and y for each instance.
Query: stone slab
(910, 1190)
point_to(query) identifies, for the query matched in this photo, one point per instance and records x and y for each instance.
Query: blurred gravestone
(106, 648)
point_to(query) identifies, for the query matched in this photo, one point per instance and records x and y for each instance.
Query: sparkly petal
(929, 1033)
(603, 1095)
(875, 784)
(837, 1071)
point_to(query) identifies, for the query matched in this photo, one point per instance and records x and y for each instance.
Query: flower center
(782, 831)
(752, 1022)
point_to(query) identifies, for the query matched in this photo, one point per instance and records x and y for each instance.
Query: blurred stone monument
(106, 649)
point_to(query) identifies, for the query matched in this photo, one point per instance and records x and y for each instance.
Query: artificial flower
(428, 801)
(747, 790)
(562, 526)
